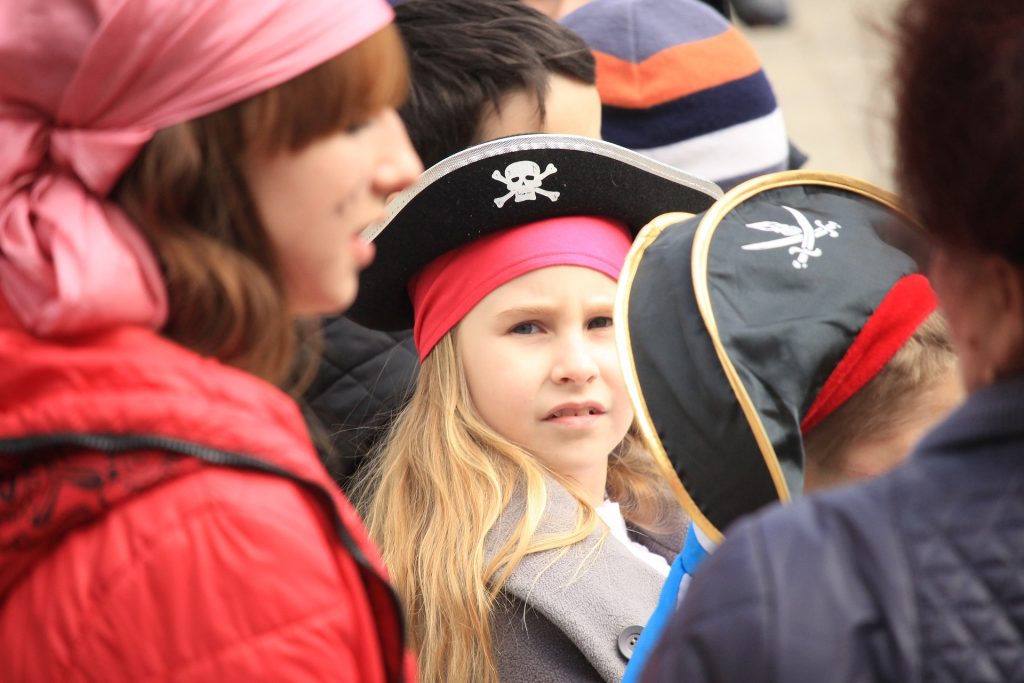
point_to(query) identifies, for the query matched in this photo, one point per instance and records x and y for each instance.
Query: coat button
(627, 640)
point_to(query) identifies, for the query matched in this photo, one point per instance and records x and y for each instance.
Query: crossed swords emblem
(800, 238)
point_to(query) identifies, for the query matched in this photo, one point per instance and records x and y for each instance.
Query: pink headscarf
(84, 84)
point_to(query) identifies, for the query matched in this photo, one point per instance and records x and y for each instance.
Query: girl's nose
(575, 361)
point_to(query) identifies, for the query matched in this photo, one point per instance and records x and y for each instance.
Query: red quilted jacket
(164, 517)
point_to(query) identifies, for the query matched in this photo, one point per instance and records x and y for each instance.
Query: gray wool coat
(571, 617)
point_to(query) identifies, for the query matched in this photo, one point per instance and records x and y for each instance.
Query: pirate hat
(745, 325)
(506, 183)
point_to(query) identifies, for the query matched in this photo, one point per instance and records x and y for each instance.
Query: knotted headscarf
(84, 84)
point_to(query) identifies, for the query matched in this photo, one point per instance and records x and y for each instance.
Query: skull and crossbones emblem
(523, 180)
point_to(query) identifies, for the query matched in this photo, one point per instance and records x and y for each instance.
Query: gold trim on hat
(699, 262)
(624, 345)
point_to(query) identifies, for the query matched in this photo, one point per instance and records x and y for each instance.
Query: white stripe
(729, 153)
(704, 540)
(684, 585)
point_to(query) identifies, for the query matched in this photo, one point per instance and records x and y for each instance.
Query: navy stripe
(637, 30)
(691, 116)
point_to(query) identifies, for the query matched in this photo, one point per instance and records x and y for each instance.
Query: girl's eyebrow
(540, 310)
(602, 305)
(533, 310)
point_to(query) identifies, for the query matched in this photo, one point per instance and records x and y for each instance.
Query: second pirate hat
(742, 327)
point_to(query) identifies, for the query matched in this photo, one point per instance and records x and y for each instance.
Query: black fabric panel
(363, 381)
(786, 328)
(697, 417)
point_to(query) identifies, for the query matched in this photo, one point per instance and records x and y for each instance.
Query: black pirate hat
(739, 326)
(506, 183)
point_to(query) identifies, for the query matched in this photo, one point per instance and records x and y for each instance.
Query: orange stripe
(675, 72)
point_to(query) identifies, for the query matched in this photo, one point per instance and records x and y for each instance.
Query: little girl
(526, 530)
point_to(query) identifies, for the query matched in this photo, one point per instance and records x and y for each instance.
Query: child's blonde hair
(438, 485)
(892, 397)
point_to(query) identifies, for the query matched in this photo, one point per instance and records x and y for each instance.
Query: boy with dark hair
(480, 69)
(488, 68)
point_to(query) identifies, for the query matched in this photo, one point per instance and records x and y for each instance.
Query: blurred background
(829, 66)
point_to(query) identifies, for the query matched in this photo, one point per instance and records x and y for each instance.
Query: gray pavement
(829, 67)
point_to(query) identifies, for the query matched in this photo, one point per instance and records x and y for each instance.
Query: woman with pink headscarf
(180, 181)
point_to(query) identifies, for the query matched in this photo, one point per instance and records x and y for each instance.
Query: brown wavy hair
(187, 194)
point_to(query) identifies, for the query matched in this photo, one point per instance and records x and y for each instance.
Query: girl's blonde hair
(438, 485)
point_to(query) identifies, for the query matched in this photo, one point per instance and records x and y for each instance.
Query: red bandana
(897, 317)
(452, 284)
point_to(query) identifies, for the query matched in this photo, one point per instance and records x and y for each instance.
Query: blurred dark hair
(959, 84)
(465, 55)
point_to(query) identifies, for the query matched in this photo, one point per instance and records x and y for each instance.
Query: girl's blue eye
(525, 328)
(599, 322)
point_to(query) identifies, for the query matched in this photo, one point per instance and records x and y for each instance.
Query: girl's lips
(575, 414)
(574, 421)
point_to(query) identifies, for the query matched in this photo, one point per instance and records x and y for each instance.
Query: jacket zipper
(123, 443)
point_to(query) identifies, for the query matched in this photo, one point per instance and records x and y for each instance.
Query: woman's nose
(400, 165)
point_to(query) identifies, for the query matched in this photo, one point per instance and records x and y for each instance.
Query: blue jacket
(916, 576)
(695, 549)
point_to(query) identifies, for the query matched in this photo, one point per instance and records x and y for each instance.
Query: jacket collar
(560, 514)
(992, 414)
(592, 592)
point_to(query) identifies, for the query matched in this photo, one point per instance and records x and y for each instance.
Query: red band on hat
(897, 317)
(452, 284)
